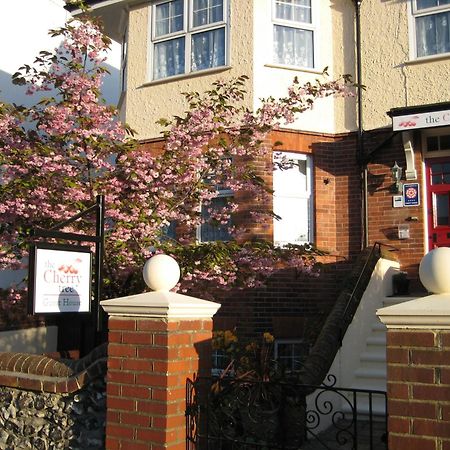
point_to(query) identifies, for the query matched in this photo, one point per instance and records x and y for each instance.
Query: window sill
(293, 68)
(425, 59)
(199, 73)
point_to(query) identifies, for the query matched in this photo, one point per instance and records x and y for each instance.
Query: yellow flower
(229, 338)
(268, 338)
(245, 361)
(251, 347)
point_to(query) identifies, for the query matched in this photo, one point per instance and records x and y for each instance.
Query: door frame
(428, 210)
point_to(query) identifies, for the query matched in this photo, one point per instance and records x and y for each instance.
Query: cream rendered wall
(148, 101)
(391, 77)
(335, 50)
(31, 340)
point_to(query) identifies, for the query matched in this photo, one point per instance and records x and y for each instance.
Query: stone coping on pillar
(161, 304)
(428, 312)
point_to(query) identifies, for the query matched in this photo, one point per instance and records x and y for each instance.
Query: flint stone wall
(48, 404)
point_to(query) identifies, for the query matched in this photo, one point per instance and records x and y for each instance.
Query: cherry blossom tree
(66, 149)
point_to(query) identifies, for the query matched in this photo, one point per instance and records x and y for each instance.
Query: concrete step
(374, 357)
(377, 340)
(371, 373)
(373, 360)
(363, 408)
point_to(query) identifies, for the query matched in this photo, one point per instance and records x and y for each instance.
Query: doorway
(438, 201)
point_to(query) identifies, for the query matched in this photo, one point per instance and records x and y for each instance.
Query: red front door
(438, 201)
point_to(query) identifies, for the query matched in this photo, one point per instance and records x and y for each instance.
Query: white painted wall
(328, 115)
(32, 340)
(354, 343)
(24, 26)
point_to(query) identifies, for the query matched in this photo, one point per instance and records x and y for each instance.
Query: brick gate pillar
(156, 340)
(418, 362)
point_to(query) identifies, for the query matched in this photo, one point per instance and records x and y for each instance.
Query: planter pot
(400, 284)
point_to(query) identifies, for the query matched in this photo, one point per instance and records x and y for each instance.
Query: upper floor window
(293, 33)
(292, 200)
(187, 36)
(432, 26)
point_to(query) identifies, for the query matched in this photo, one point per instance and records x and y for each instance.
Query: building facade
(178, 46)
(343, 196)
(405, 117)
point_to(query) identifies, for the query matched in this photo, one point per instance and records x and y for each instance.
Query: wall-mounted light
(396, 171)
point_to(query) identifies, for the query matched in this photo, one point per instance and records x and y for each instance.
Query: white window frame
(217, 355)
(413, 14)
(187, 32)
(277, 342)
(301, 26)
(442, 131)
(308, 195)
(427, 154)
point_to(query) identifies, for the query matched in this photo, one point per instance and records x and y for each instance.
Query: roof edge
(407, 110)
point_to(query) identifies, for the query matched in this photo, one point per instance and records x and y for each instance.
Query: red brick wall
(148, 363)
(293, 305)
(418, 389)
(337, 197)
(383, 218)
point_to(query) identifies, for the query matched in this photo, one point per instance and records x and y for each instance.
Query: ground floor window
(290, 354)
(292, 201)
(220, 361)
(211, 229)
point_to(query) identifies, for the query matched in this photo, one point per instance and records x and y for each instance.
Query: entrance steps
(370, 370)
(371, 373)
(361, 362)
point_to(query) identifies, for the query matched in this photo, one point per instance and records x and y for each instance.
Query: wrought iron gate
(230, 414)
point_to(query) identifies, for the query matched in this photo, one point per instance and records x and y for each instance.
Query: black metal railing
(231, 414)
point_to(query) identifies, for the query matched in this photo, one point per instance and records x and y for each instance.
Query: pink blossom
(79, 149)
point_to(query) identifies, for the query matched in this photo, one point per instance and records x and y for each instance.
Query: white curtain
(293, 46)
(169, 17)
(433, 34)
(295, 10)
(422, 4)
(168, 58)
(207, 12)
(208, 49)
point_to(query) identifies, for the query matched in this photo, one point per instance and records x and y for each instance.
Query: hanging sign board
(411, 194)
(422, 120)
(60, 279)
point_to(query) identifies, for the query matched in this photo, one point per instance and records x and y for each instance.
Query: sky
(24, 26)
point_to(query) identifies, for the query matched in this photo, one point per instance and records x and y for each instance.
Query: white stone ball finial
(434, 271)
(161, 273)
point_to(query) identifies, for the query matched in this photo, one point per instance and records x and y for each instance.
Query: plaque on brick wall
(411, 194)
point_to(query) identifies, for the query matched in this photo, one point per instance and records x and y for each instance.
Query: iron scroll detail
(228, 414)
